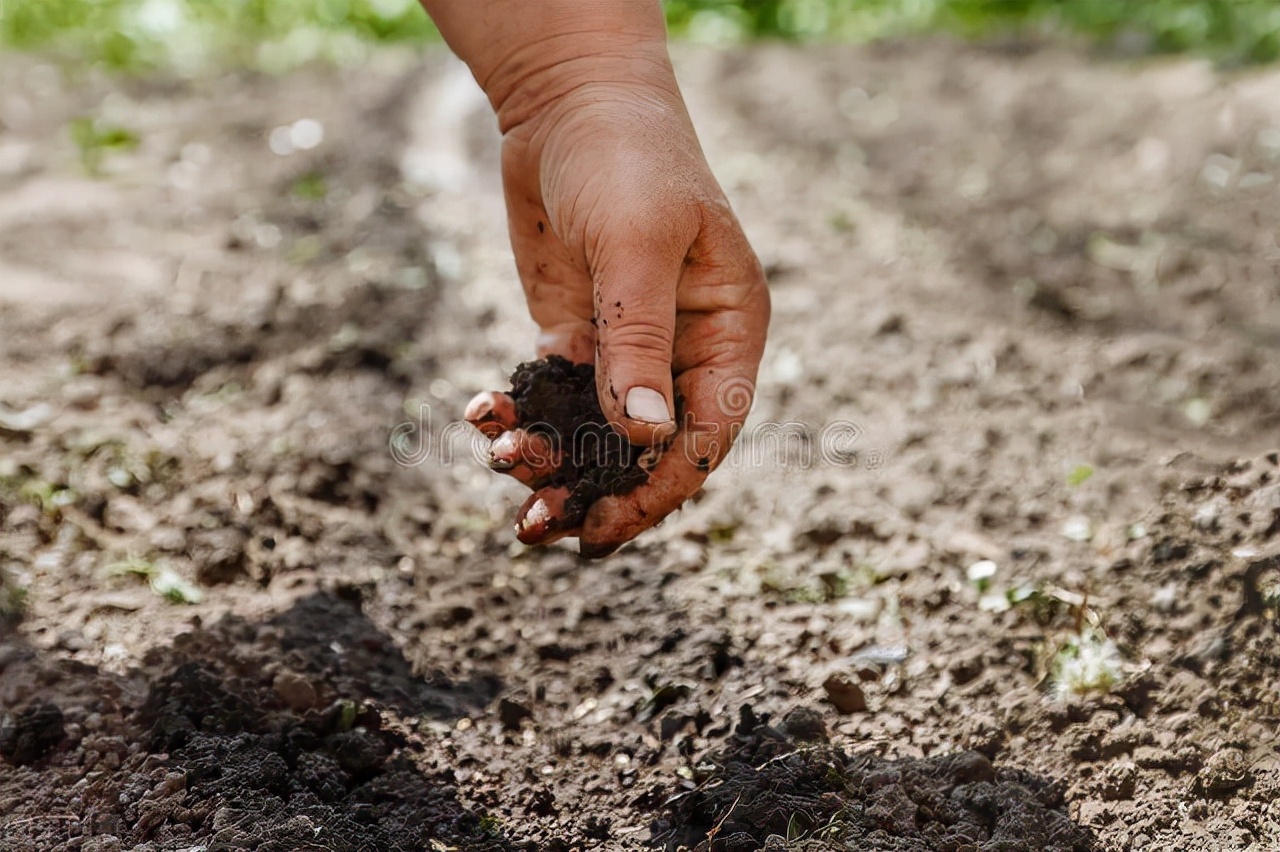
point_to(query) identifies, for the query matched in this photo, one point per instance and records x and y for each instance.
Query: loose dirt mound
(251, 737)
(763, 793)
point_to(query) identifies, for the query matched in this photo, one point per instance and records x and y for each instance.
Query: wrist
(531, 82)
(528, 54)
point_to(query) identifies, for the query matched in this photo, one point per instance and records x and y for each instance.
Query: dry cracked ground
(1027, 317)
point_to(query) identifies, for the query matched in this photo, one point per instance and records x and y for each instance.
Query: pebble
(295, 691)
(1226, 770)
(1077, 528)
(804, 724)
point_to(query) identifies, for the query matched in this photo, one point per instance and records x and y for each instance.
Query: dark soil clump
(766, 792)
(557, 398)
(258, 777)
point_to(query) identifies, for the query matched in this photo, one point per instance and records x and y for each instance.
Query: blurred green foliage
(188, 34)
(1230, 31)
(95, 140)
(278, 34)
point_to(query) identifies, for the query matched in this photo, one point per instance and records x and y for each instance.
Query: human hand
(629, 256)
(628, 252)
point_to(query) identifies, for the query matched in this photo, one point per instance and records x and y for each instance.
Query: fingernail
(503, 452)
(539, 515)
(479, 409)
(647, 406)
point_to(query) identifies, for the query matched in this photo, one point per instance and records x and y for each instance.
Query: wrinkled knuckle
(638, 335)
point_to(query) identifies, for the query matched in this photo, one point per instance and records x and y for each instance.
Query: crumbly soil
(557, 399)
(1025, 311)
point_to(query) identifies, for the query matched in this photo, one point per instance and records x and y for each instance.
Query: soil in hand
(557, 399)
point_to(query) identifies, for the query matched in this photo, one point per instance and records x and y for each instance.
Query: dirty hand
(629, 256)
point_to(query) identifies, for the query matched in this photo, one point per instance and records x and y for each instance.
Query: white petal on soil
(1090, 664)
(983, 569)
(169, 584)
(1077, 528)
(861, 609)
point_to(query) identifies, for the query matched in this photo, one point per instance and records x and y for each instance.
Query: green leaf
(1079, 475)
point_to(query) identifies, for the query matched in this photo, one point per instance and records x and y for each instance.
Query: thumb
(635, 318)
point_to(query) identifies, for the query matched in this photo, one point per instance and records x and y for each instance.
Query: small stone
(846, 695)
(1225, 770)
(878, 655)
(1206, 517)
(1077, 528)
(1166, 598)
(295, 691)
(27, 420)
(102, 843)
(804, 724)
